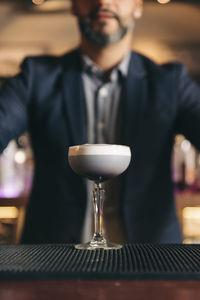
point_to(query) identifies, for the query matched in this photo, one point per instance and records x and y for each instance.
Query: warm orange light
(191, 213)
(163, 1)
(191, 223)
(51, 5)
(38, 2)
(8, 212)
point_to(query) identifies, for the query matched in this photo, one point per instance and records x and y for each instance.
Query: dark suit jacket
(47, 98)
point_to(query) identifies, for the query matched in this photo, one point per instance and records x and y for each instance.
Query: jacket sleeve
(14, 101)
(188, 117)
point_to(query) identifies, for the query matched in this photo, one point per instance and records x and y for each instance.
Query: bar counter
(139, 271)
(99, 290)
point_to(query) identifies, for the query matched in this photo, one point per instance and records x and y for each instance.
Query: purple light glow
(9, 193)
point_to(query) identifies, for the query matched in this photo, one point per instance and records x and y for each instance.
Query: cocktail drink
(99, 162)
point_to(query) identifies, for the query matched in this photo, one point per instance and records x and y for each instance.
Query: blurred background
(168, 31)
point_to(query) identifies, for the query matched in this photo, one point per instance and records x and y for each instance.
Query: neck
(107, 57)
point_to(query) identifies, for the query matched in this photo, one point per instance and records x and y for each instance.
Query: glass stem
(98, 196)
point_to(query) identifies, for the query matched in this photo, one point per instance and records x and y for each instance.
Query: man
(101, 92)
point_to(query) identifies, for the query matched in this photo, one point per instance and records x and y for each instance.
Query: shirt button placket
(102, 99)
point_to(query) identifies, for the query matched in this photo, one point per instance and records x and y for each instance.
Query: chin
(103, 35)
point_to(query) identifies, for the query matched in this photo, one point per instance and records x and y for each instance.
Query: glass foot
(94, 246)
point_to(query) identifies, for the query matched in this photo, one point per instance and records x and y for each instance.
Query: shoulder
(150, 65)
(151, 68)
(50, 62)
(168, 77)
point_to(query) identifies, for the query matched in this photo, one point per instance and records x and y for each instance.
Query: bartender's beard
(97, 36)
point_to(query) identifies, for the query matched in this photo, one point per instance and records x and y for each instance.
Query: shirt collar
(90, 67)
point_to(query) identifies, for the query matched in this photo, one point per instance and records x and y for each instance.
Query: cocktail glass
(99, 162)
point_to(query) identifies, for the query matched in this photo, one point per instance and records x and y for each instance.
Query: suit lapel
(134, 98)
(133, 106)
(74, 100)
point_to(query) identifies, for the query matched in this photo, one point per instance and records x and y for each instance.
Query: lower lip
(103, 17)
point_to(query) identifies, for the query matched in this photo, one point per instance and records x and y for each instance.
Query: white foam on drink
(99, 149)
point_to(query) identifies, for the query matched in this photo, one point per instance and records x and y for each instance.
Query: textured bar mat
(138, 261)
